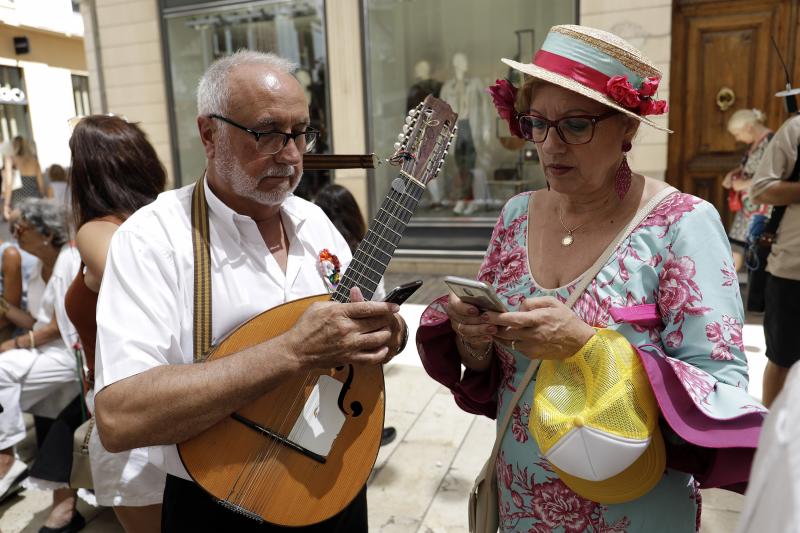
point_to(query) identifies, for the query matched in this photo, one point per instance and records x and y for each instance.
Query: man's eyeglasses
(576, 129)
(272, 142)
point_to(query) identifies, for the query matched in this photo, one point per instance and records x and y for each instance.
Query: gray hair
(48, 217)
(745, 117)
(213, 92)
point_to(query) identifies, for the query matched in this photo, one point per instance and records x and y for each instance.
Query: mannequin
(423, 85)
(465, 94)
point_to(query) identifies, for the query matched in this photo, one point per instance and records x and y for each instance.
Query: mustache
(282, 171)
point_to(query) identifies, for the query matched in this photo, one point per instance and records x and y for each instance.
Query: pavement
(421, 480)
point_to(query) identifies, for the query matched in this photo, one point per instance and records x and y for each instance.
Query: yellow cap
(595, 419)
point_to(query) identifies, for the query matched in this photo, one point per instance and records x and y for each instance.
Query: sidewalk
(421, 480)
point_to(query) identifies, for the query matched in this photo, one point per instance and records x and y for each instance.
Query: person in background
(38, 367)
(341, 208)
(16, 266)
(114, 172)
(782, 291)
(57, 184)
(22, 163)
(746, 126)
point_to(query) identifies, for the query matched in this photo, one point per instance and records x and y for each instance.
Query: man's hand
(331, 334)
(7, 345)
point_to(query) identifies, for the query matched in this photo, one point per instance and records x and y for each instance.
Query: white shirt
(46, 299)
(145, 306)
(772, 502)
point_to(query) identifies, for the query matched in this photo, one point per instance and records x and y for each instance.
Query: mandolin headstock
(427, 134)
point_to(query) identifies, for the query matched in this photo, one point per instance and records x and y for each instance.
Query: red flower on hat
(504, 97)
(639, 100)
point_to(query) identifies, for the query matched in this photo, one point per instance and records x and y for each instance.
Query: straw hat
(601, 66)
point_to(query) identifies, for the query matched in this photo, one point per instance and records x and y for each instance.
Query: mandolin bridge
(241, 510)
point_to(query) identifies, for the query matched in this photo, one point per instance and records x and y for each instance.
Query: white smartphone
(476, 293)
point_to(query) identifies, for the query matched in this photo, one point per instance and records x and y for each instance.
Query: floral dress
(678, 261)
(742, 219)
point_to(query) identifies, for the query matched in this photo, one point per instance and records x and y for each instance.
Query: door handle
(725, 98)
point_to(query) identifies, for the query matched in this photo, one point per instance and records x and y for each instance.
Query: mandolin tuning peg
(397, 146)
(406, 127)
(409, 119)
(401, 137)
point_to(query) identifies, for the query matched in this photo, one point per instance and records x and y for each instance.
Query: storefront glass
(452, 49)
(293, 29)
(14, 119)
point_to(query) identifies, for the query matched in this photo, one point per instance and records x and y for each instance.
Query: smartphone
(476, 293)
(401, 293)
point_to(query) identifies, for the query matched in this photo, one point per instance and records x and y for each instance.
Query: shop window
(291, 29)
(452, 49)
(14, 117)
(80, 95)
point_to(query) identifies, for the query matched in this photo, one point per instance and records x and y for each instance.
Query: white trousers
(41, 381)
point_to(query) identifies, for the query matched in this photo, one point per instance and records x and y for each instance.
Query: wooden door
(722, 51)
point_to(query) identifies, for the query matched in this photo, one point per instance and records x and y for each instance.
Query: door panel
(722, 61)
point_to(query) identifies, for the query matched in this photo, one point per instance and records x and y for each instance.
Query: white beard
(246, 186)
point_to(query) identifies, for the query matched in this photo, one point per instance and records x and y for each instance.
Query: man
(782, 292)
(265, 250)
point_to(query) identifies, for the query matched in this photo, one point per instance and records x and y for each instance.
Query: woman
(669, 289)
(37, 367)
(746, 126)
(22, 163)
(114, 172)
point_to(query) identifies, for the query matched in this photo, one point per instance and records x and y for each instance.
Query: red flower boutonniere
(504, 96)
(639, 100)
(329, 268)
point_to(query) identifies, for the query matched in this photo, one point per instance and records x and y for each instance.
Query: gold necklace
(568, 239)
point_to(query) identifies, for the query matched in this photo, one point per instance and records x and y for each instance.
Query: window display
(452, 49)
(293, 29)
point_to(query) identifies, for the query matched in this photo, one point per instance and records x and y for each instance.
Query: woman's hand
(475, 335)
(741, 185)
(727, 181)
(6, 212)
(543, 328)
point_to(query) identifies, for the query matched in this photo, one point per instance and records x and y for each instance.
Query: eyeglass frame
(286, 136)
(594, 119)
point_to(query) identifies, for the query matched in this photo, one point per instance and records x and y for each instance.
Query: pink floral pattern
(697, 383)
(726, 335)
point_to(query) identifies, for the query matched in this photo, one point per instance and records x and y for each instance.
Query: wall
(129, 66)
(647, 25)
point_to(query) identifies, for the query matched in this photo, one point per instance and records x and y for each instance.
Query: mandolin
(300, 453)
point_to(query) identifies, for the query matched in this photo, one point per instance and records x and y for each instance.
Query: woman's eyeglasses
(272, 142)
(576, 129)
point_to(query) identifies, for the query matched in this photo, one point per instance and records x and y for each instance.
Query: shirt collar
(229, 221)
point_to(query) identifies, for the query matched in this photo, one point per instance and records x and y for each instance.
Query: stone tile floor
(421, 480)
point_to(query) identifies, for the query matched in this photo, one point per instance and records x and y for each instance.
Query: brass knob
(725, 98)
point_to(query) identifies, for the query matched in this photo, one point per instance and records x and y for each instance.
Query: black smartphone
(403, 292)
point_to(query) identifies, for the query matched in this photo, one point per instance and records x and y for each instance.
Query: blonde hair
(745, 117)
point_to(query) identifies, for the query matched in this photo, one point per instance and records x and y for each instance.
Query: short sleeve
(138, 310)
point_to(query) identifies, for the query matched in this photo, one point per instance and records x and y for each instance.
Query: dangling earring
(548, 184)
(622, 181)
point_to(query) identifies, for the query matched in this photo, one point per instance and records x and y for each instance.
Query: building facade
(43, 74)
(364, 63)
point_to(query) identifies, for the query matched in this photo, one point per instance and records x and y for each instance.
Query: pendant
(567, 240)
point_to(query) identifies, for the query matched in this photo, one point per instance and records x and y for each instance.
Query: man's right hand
(331, 334)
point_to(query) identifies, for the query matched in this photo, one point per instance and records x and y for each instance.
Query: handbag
(81, 474)
(734, 200)
(483, 506)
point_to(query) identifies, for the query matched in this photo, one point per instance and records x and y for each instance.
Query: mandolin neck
(377, 248)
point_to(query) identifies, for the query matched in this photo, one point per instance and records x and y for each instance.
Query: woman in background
(746, 126)
(114, 172)
(23, 161)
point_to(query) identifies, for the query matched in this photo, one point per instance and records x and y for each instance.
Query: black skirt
(54, 460)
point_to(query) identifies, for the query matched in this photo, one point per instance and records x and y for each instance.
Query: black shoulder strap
(778, 211)
(202, 272)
